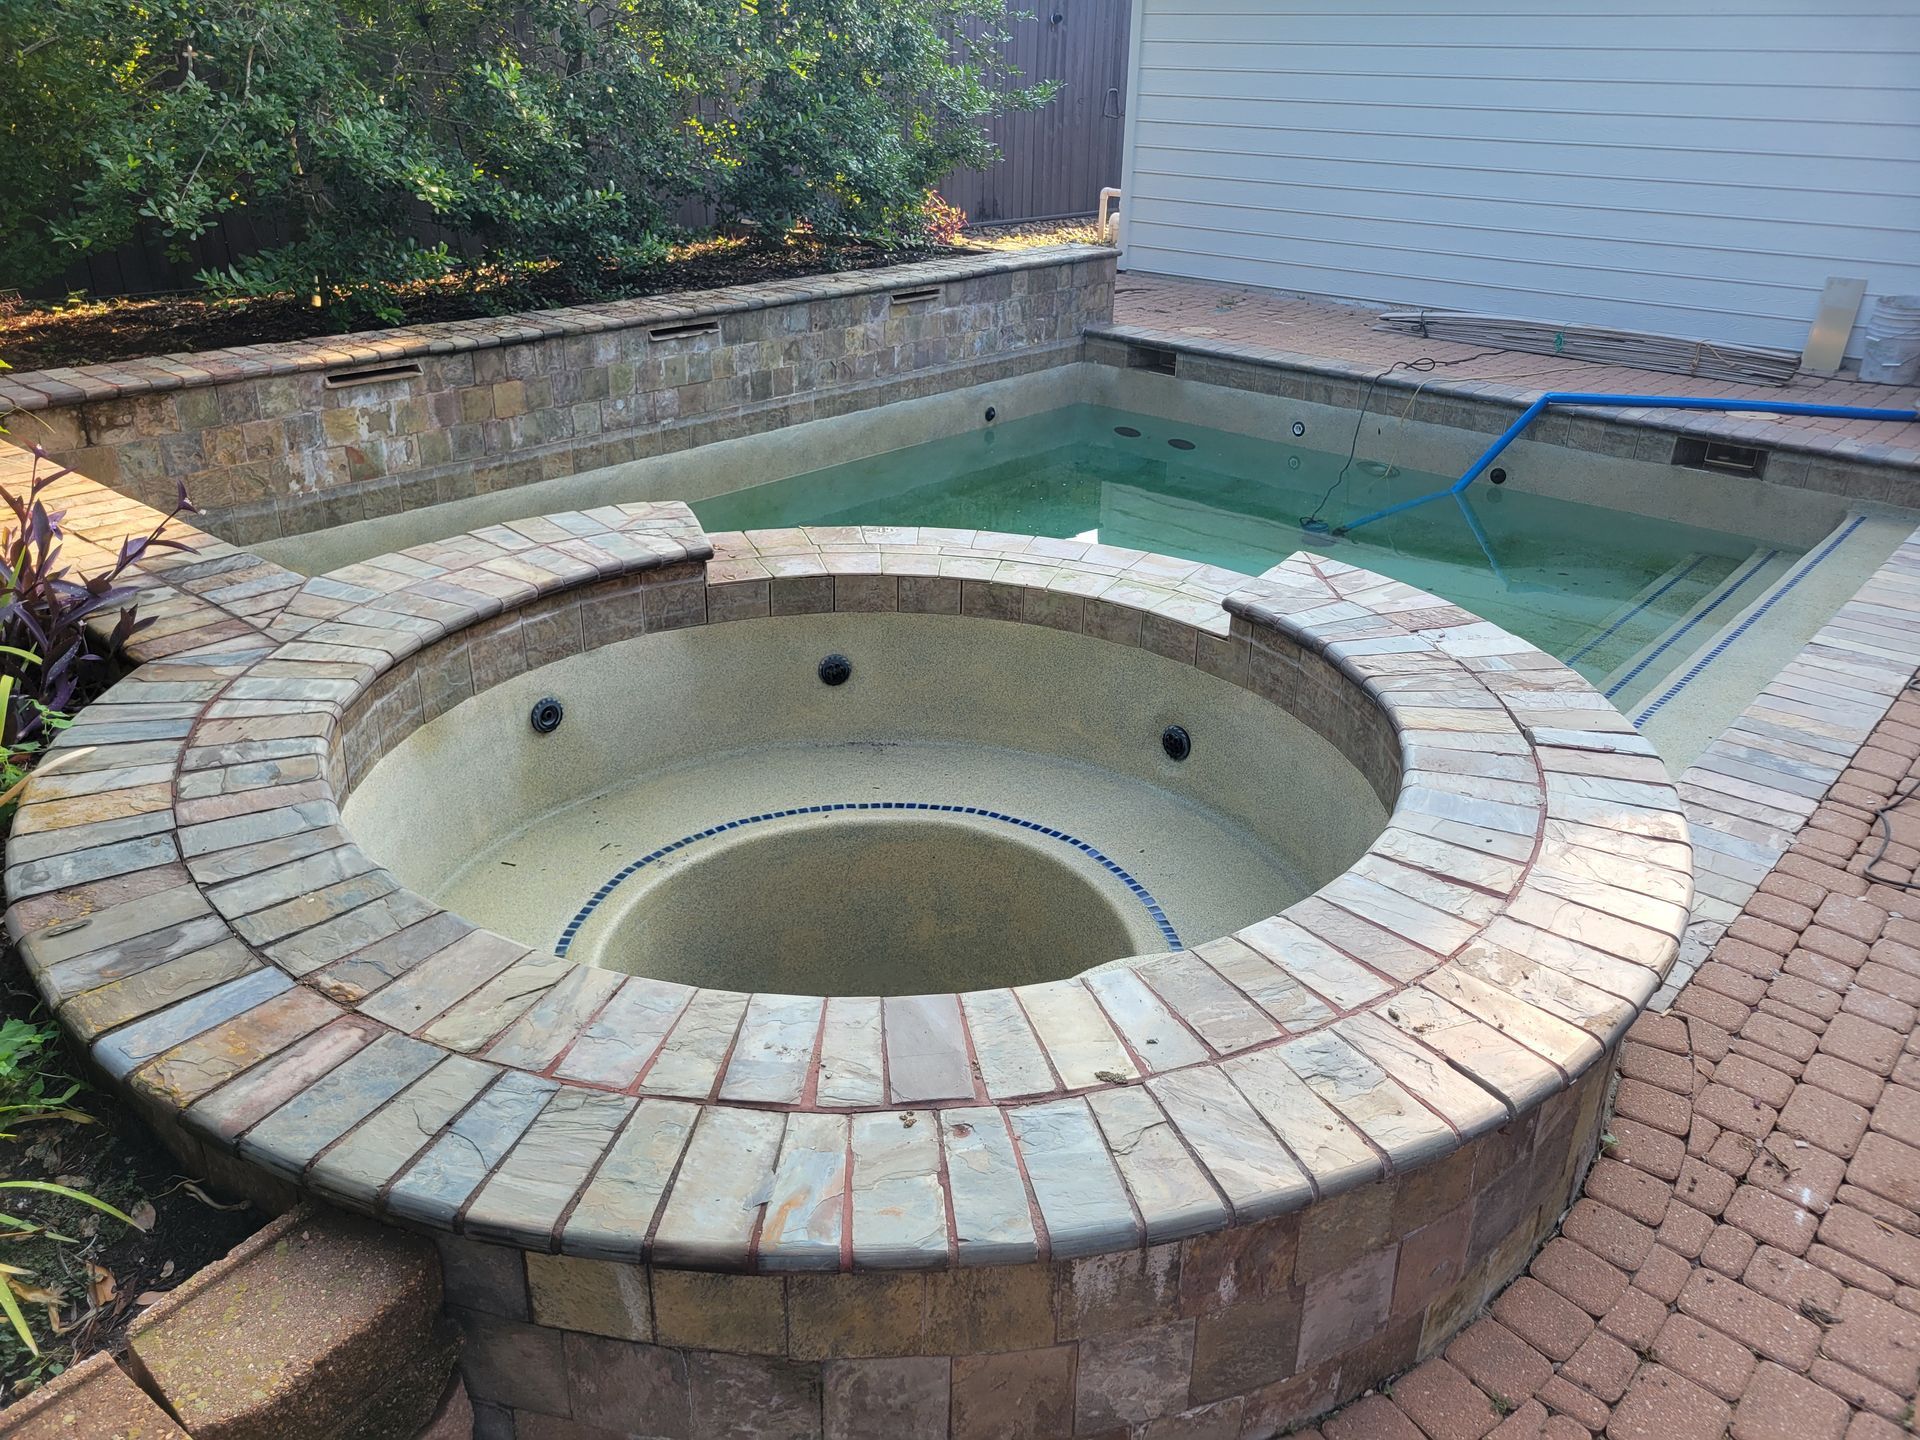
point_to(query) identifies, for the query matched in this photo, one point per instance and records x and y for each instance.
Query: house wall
(1698, 168)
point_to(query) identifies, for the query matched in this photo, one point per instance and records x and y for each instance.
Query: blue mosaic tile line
(1613, 629)
(1112, 867)
(1699, 615)
(1699, 666)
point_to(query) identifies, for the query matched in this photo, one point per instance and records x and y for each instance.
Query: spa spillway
(872, 981)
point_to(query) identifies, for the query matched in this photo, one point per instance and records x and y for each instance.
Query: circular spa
(910, 983)
(961, 804)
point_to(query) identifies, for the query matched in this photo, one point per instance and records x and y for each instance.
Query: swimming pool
(1620, 597)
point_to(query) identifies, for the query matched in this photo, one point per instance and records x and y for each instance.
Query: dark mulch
(94, 332)
(107, 1273)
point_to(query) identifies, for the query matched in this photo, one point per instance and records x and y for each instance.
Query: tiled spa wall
(278, 440)
(1242, 1332)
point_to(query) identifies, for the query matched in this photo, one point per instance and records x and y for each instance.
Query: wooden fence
(1054, 160)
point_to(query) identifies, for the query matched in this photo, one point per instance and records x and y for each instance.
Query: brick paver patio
(1270, 321)
(1745, 1259)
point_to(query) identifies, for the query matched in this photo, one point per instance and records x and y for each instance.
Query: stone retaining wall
(274, 440)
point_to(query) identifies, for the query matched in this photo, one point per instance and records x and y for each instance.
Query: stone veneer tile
(1469, 1107)
(1516, 1075)
(1081, 1198)
(435, 1186)
(1076, 1035)
(116, 960)
(992, 1217)
(141, 1041)
(899, 1214)
(1011, 1061)
(536, 1039)
(381, 916)
(621, 1199)
(373, 966)
(359, 1166)
(852, 1068)
(287, 1140)
(524, 1199)
(807, 1199)
(742, 1314)
(470, 1024)
(228, 1105)
(592, 1296)
(710, 1217)
(111, 927)
(156, 986)
(773, 1053)
(618, 1043)
(1243, 1156)
(1562, 1043)
(1152, 1031)
(1309, 961)
(926, 1049)
(189, 1071)
(1223, 1018)
(689, 1060)
(441, 980)
(1173, 1195)
(1265, 984)
(1365, 1096)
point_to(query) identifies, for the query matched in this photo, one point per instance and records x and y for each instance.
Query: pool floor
(1619, 597)
(578, 878)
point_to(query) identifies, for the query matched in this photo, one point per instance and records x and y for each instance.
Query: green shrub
(513, 133)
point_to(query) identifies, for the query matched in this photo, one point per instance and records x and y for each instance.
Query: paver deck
(1274, 325)
(1745, 1259)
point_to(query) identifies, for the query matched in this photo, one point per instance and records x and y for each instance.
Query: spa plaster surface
(1004, 736)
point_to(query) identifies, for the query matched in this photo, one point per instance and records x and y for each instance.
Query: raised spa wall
(1192, 1190)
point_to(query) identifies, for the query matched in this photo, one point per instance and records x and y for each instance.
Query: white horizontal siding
(1700, 169)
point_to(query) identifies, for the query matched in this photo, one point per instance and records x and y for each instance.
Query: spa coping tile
(569, 1159)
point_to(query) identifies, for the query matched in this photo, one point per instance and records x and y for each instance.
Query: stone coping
(1505, 400)
(71, 385)
(186, 897)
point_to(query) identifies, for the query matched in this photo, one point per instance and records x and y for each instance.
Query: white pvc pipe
(1109, 225)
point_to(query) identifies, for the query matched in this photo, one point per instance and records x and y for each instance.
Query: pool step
(1641, 672)
(1627, 628)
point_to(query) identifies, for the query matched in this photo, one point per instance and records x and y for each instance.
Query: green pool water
(1620, 597)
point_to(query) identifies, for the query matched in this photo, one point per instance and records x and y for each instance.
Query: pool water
(1619, 597)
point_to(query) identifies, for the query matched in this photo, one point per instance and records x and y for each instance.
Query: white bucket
(1891, 355)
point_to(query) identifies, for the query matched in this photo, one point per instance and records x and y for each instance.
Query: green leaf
(17, 1319)
(67, 1192)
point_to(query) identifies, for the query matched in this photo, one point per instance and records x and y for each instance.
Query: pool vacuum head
(1314, 525)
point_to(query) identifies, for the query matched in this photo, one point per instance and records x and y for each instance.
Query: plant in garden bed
(35, 1091)
(73, 1190)
(382, 143)
(49, 664)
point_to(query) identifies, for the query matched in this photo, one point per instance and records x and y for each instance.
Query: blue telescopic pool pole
(1643, 402)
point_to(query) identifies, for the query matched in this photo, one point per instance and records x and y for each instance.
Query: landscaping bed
(40, 336)
(98, 1273)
